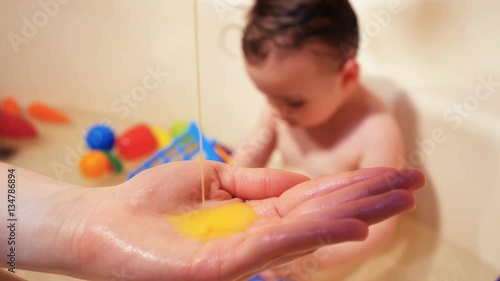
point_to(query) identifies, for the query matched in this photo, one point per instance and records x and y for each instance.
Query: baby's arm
(257, 148)
(384, 148)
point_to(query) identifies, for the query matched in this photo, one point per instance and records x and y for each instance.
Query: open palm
(127, 235)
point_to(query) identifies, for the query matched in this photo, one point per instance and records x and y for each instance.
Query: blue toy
(184, 147)
(100, 137)
(257, 278)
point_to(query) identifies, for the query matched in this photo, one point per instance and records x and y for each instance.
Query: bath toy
(183, 147)
(136, 142)
(44, 112)
(223, 153)
(95, 164)
(162, 137)
(260, 278)
(6, 152)
(226, 149)
(115, 162)
(178, 128)
(215, 223)
(100, 137)
(13, 126)
(10, 106)
(257, 278)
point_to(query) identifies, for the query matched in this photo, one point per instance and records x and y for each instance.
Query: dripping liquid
(198, 92)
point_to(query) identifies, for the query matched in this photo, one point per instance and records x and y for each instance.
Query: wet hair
(290, 24)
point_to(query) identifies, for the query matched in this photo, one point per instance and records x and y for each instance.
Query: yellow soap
(214, 223)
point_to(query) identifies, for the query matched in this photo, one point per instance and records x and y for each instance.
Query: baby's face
(304, 88)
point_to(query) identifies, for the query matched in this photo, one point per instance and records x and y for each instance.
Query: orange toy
(44, 112)
(10, 106)
(223, 154)
(95, 164)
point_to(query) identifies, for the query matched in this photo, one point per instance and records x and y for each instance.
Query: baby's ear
(350, 73)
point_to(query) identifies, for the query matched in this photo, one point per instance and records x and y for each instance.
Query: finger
(255, 183)
(413, 180)
(374, 186)
(221, 180)
(370, 210)
(275, 243)
(325, 185)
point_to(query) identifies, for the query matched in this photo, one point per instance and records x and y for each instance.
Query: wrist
(42, 226)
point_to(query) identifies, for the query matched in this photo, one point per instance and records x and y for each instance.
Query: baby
(301, 55)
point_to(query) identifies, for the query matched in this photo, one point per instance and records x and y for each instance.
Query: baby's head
(301, 55)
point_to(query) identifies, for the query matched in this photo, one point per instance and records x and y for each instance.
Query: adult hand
(121, 232)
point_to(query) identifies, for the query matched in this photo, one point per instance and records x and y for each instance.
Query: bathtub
(432, 62)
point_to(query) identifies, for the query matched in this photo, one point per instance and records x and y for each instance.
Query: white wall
(95, 53)
(440, 52)
(92, 54)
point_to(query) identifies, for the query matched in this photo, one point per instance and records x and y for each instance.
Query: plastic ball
(95, 164)
(179, 128)
(162, 137)
(100, 137)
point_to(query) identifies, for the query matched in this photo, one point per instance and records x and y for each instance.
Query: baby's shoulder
(378, 120)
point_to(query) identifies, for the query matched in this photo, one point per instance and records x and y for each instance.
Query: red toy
(136, 142)
(13, 126)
